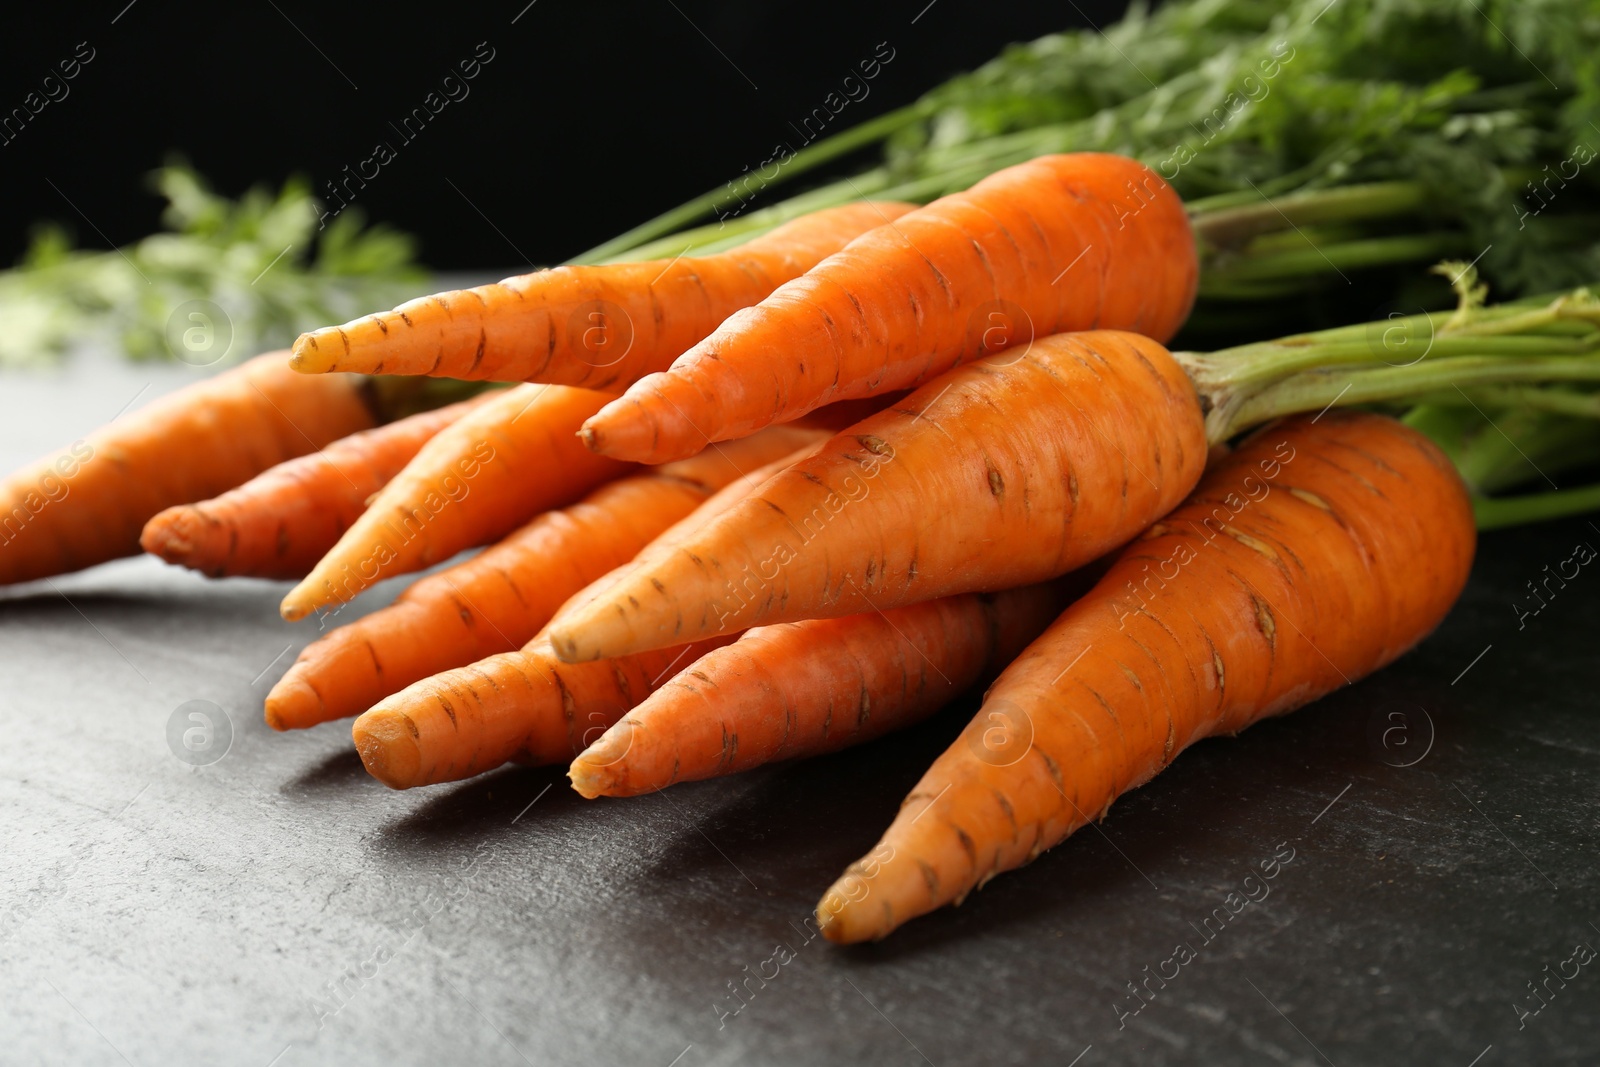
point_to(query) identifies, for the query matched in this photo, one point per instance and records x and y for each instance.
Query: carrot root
(1319, 551)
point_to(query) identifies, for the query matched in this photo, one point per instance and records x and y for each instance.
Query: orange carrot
(279, 523)
(498, 600)
(800, 689)
(1317, 553)
(989, 478)
(495, 468)
(598, 327)
(525, 705)
(1067, 242)
(87, 503)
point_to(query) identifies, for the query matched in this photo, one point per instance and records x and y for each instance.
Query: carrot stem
(1223, 222)
(1473, 355)
(1315, 260)
(1557, 401)
(717, 236)
(1317, 390)
(800, 162)
(1493, 513)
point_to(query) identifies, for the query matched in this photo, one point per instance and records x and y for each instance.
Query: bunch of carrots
(787, 497)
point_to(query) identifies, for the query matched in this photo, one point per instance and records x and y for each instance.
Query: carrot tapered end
(301, 601)
(319, 351)
(642, 431)
(172, 535)
(587, 780)
(387, 742)
(294, 705)
(574, 635)
(599, 769)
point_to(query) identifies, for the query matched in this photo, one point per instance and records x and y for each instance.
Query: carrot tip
(585, 781)
(827, 914)
(622, 431)
(388, 748)
(305, 356)
(293, 705)
(599, 769)
(300, 602)
(167, 535)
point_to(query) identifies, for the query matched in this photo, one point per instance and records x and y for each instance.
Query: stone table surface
(279, 907)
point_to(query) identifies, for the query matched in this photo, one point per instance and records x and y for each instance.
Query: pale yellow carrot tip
(292, 612)
(564, 640)
(387, 742)
(589, 782)
(593, 773)
(302, 600)
(308, 356)
(293, 705)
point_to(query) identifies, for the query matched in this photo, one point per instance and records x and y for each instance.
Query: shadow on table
(337, 773)
(486, 807)
(793, 828)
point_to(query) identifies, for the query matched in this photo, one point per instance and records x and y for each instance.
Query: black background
(591, 117)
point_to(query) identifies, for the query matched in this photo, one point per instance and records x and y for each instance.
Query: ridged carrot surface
(988, 478)
(1317, 553)
(1065, 242)
(805, 688)
(498, 600)
(599, 327)
(87, 503)
(526, 704)
(478, 479)
(279, 523)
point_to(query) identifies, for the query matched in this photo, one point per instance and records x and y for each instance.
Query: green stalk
(1493, 513)
(1555, 401)
(806, 159)
(1314, 260)
(1266, 367)
(1550, 325)
(1221, 225)
(697, 241)
(1317, 390)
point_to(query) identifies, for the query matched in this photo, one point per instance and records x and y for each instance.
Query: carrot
(498, 600)
(805, 688)
(1064, 242)
(87, 503)
(278, 524)
(527, 704)
(598, 327)
(1320, 551)
(498, 466)
(989, 478)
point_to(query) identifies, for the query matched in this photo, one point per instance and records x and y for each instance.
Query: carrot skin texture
(600, 327)
(806, 688)
(524, 705)
(1061, 243)
(991, 477)
(279, 523)
(87, 503)
(1341, 561)
(495, 468)
(498, 600)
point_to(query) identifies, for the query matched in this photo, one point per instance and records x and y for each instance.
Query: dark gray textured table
(278, 907)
